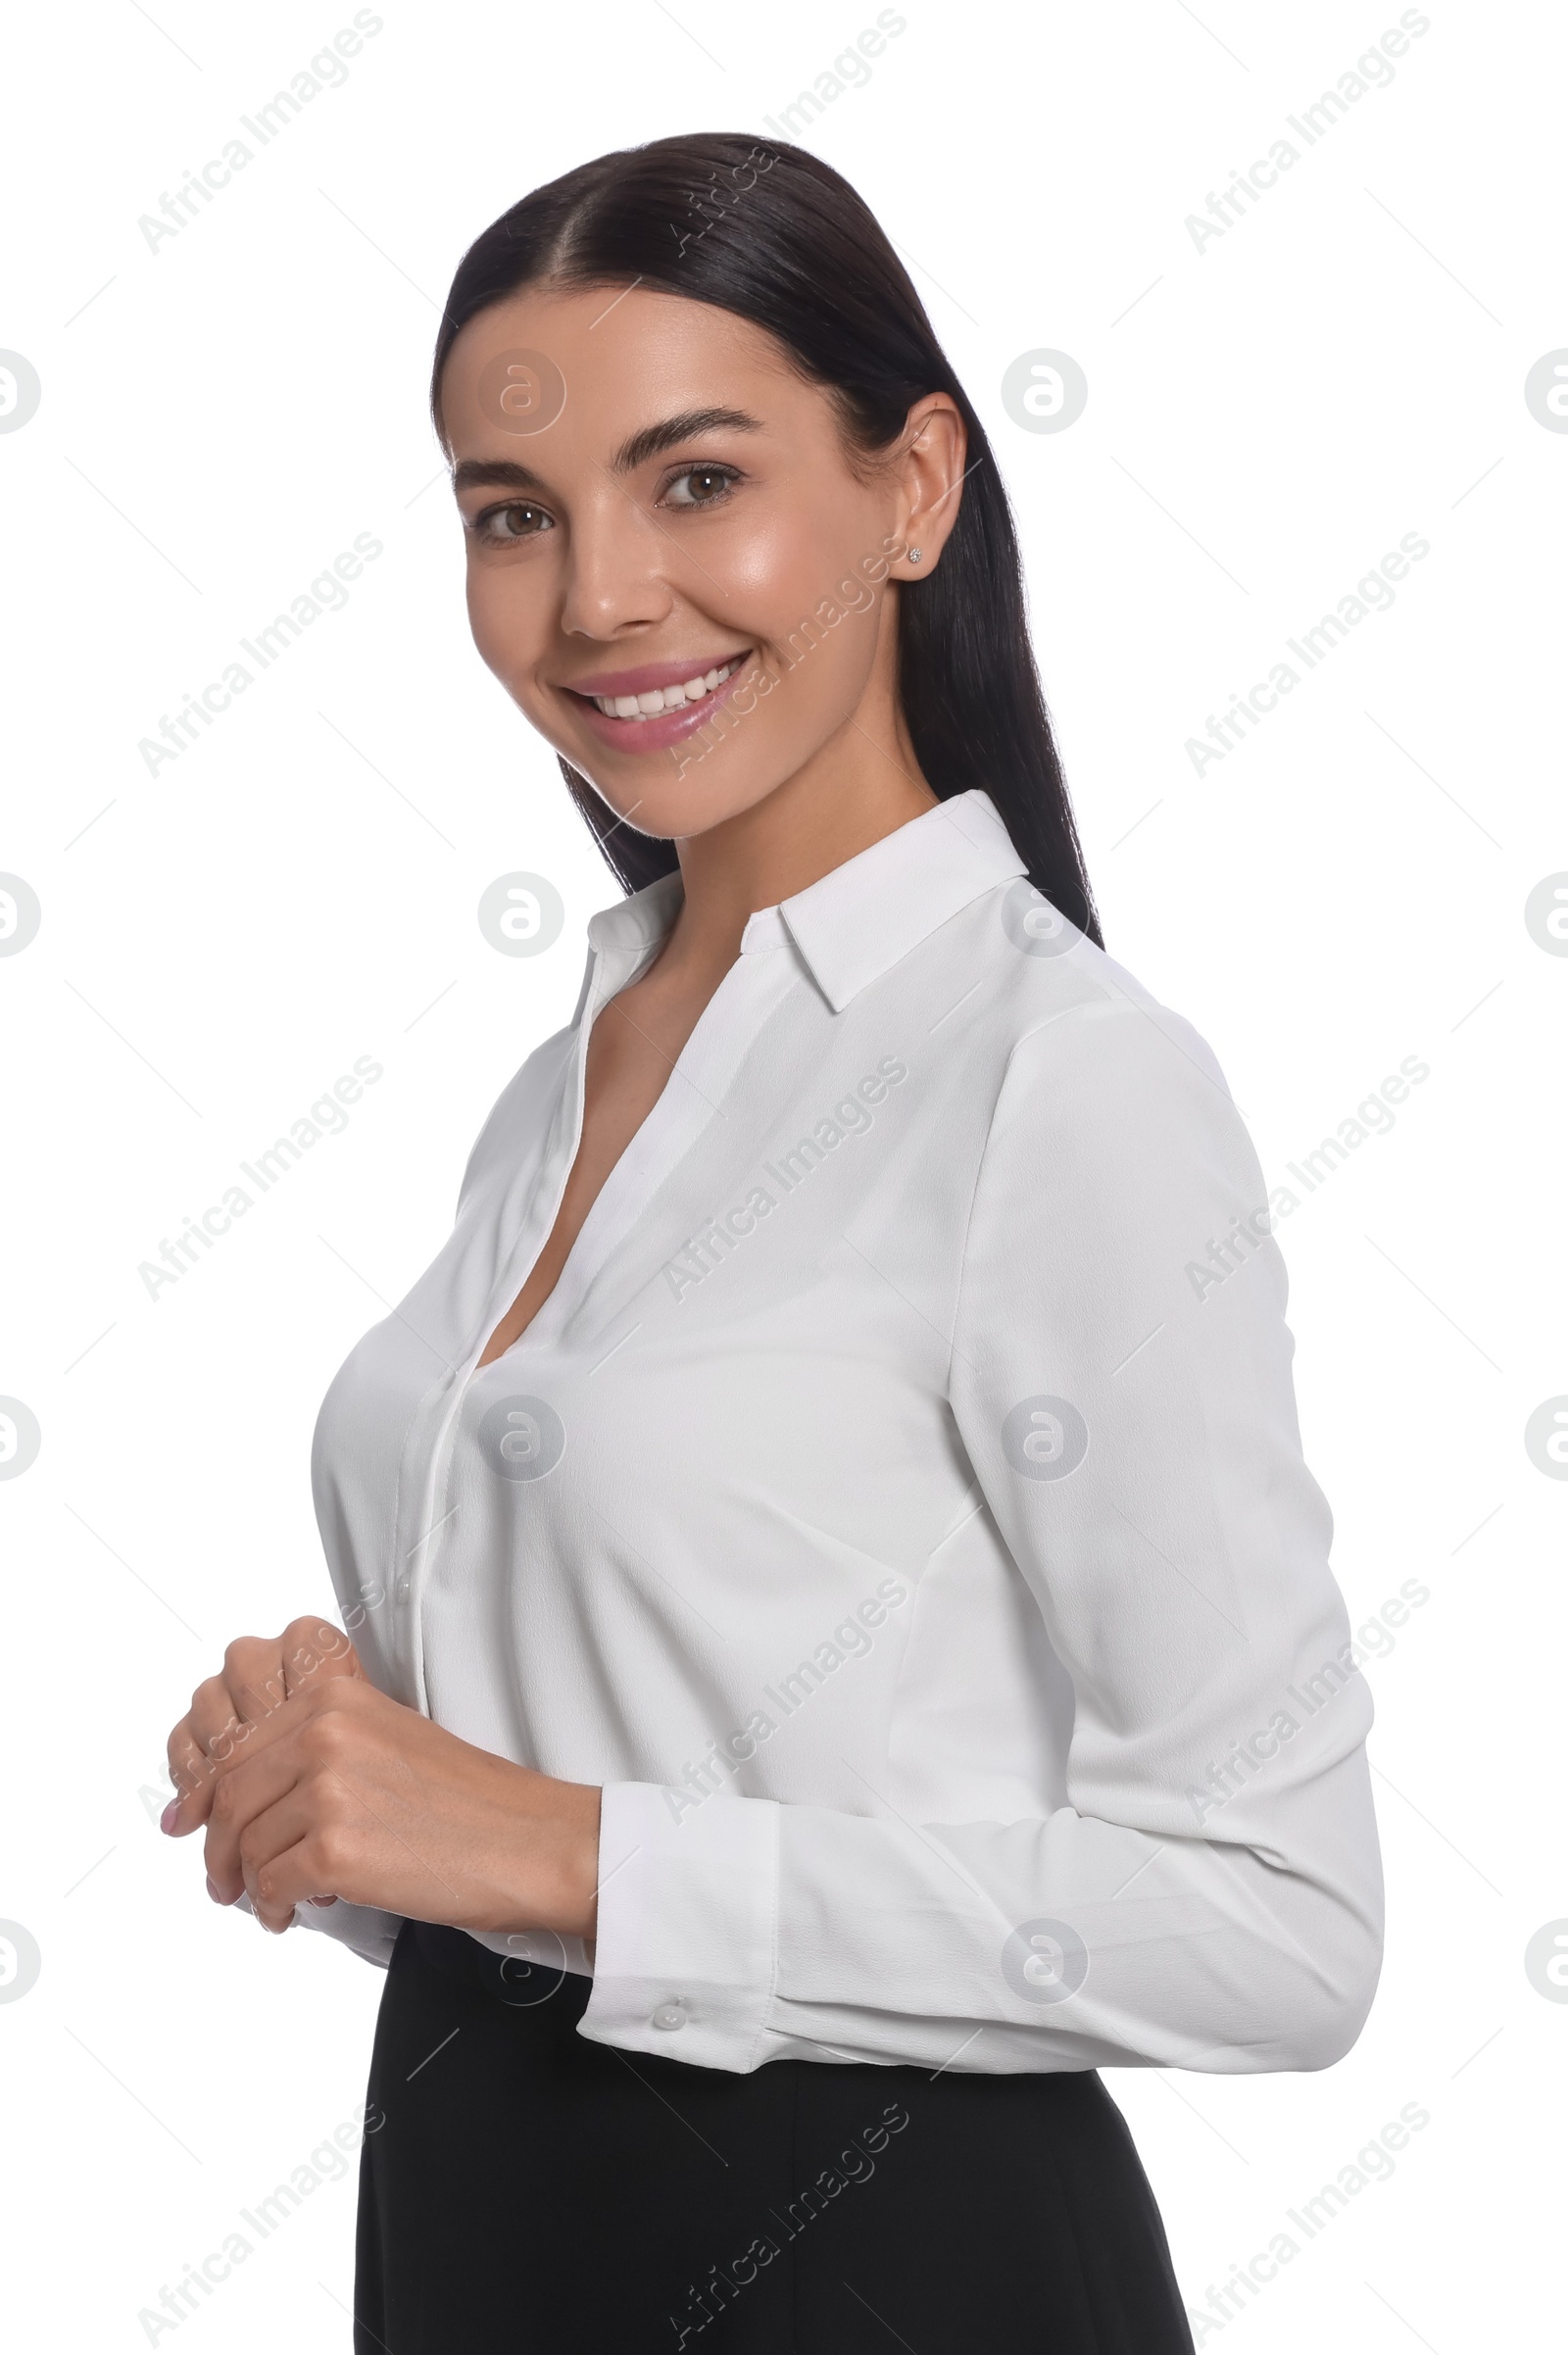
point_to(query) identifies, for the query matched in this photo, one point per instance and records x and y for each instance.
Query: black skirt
(524, 2188)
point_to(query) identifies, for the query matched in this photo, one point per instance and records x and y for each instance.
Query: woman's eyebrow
(505, 473)
(495, 473)
(654, 440)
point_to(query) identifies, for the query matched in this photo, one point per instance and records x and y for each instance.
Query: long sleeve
(1208, 1893)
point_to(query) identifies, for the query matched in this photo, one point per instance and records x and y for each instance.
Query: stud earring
(916, 555)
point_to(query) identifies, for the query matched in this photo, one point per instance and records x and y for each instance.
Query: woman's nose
(615, 564)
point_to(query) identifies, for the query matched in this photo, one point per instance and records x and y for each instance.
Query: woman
(836, 1600)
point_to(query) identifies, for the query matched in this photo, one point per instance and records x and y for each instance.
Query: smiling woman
(704, 1921)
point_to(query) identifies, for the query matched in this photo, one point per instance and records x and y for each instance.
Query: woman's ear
(929, 470)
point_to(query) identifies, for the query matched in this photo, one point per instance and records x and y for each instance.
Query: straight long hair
(775, 235)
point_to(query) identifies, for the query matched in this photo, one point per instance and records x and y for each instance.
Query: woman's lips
(660, 729)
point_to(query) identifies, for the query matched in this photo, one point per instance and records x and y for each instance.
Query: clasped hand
(315, 1786)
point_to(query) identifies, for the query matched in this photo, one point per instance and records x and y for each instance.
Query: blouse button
(671, 2015)
(403, 1589)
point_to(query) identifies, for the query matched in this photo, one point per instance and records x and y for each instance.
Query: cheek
(793, 557)
(508, 617)
(775, 563)
(484, 620)
(796, 585)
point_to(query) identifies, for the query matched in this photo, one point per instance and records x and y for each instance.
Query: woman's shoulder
(1110, 1125)
(1057, 1001)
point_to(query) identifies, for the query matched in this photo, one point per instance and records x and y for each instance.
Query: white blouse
(882, 1510)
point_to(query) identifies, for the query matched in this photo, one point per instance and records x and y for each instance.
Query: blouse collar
(856, 923)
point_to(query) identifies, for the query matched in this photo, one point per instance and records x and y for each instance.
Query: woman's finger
(260, 1674)
(269, 1840)
(213, 1717)
(284, 1862)
(312, 1649)
(241, 1794)
(256, 1677)
(204, 1737)
(192, 1771)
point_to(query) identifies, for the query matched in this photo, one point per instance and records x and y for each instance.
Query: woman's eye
(698, 486)
(520, 521)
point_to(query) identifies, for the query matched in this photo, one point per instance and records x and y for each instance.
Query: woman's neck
(850, 796)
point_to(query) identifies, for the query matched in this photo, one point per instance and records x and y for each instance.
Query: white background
(1266, 417)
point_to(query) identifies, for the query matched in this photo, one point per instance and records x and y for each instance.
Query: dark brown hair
(776, 236)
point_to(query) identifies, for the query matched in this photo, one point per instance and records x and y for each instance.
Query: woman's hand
(334, 1790)
(260, 1672)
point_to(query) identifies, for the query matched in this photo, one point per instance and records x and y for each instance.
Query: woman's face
(662, 519)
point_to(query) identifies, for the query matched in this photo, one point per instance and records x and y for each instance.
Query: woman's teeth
(666, 699)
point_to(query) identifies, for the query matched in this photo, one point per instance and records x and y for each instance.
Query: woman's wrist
(556, 1884)
(582, 1876)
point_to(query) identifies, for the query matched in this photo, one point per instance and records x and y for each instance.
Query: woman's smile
(649, 708)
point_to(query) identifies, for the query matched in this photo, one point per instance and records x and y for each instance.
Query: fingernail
(212, 1892)
(165, 1822)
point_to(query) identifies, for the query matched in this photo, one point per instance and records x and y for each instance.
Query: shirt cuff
(686, 1953)
(370, 1933)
